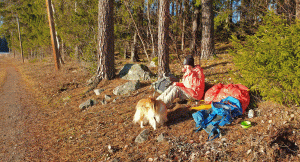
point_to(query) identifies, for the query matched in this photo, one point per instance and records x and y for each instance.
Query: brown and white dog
(152, 111)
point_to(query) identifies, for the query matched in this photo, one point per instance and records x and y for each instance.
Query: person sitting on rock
(191, 87)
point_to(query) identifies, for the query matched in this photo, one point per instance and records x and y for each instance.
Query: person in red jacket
(191, 87)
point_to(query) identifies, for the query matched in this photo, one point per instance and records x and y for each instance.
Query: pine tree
(268, 61)
(207, 42)
(195, 28)
(105, 46)
(53, 34)
(163, 43)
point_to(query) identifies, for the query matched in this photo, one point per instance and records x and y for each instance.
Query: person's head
(188, 63)
(189, 60)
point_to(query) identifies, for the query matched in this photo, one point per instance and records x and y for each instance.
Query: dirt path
(12, 122)
(18, 118)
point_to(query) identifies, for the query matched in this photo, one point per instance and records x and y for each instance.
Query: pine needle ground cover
(3, 73)
(65, 133)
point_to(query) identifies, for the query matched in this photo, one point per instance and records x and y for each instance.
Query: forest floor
(55, 129)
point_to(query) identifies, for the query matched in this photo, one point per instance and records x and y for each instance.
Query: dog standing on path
(152, 111)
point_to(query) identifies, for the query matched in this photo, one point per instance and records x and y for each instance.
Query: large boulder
(135, 72)
(127, 87)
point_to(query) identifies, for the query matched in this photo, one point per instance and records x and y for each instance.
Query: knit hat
(189, 60)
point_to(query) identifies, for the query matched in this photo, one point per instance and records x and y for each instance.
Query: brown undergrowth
(74, 135)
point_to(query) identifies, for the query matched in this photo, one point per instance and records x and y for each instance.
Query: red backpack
(220, 91)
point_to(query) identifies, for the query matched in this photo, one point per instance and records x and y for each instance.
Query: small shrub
(155, 59)
(269, 62)
(33, 60)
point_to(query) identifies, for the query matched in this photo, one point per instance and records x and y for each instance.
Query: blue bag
(220, 114)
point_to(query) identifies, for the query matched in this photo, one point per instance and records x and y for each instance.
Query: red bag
(220, 91)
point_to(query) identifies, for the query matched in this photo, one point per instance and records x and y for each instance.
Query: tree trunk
(298, 10)
(105, 47)
(134, 55)
(53, 34)
(62, 50)
(184, 13)
(76, 53)
(243, 10)
(56, 37)
(288, 8)
(11, 44)
(125, 49)
(138, 31)
(20, 39)
(196, 22)
(229, 7)
(163, 44)
(150, 30)
(207, 43)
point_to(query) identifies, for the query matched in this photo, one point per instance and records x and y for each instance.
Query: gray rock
(103, 102)
(88, 103)
(110, 150)
(98, 91)
(223, 140)
(193, 156)
(161, 138)
(135, 72)
(127, 88)
(152, 64)
(91, 80)
(66, 98)
(107, 97)
(143, 136)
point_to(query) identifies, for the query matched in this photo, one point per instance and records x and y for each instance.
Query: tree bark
(196, 23)
(11, 46)
(184, 13)
(243, 10)
(138, 31)
(134, 55)
(150, 30)
(61, 61)
(105, 47)
(288, 8)
(76, 53)
(53, 34)
(62, 50)
(298, 10)
(229, 7)
(163, 44)
(20, 39)
(207, 43)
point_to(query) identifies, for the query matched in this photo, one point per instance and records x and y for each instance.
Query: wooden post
(22, 55)
(53, 34)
